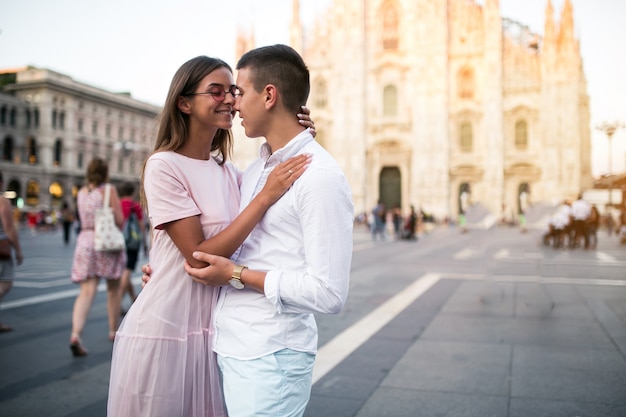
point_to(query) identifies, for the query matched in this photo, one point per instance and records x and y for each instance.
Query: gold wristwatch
(235, 280)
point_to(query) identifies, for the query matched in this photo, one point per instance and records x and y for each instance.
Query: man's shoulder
(321, 157)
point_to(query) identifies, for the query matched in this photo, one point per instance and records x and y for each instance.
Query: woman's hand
(283, 176)
(304, 119)
(146, 274)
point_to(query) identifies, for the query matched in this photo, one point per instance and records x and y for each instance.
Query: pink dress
(163, 360)
(88, 262)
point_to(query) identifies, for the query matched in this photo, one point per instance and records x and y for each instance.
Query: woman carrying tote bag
(91, 265)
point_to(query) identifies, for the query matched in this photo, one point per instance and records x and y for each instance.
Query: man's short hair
(283, 67)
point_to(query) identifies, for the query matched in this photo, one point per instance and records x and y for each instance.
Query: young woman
(163, 363)
(89, 265)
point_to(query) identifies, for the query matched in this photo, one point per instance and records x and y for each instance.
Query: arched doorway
(56, 193)
(32, 193)
(523, 195)
(465, 192)
(390, 187)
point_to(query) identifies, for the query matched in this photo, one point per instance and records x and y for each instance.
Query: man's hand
(219, 271)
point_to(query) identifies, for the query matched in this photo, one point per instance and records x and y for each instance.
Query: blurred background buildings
(444, 105)
(447, 106)
(52, 126)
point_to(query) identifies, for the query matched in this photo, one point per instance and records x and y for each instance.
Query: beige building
(51, 126)
(445, 104)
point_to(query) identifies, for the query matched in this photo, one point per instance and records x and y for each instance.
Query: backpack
(132, 233)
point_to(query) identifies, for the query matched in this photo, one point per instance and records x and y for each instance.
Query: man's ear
(271, 96)
(183, 105)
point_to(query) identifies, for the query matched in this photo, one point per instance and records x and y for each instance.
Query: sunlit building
(51, 126)
(446, 104)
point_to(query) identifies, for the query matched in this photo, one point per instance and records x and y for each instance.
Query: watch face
(236, 283)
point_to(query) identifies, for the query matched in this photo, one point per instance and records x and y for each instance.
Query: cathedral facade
(446, 105)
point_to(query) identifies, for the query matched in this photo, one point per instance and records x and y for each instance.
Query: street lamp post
(609, 128)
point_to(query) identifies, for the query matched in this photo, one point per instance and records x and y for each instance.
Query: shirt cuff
(272, 289)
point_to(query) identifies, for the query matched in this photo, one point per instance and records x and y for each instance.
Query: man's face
(250, 105)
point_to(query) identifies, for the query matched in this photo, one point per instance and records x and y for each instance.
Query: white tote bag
(108, 237)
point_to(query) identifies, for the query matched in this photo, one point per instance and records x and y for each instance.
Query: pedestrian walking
(10, 246)
(67, 220)
(378, 220)
(580, 212)
(89, 265)
(135, 237)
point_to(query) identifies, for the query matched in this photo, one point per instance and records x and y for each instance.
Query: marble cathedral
(445, 104)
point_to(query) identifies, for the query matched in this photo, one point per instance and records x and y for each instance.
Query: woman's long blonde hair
(174, 125)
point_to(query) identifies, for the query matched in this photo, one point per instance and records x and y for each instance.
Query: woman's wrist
(264, 200)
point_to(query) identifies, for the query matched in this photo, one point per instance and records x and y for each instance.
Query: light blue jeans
(276, 385)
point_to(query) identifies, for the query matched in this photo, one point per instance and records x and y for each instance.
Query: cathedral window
(390, 101)
(389, 14)
(521, 134)
(466, 137)
(465, 80)
(321, 94)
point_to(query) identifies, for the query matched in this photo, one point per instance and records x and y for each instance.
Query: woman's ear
(183, 105)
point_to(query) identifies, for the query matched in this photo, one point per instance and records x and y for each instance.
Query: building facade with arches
(51, 126)
(421, 101)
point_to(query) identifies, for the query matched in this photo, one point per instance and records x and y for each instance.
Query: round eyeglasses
(219, 93)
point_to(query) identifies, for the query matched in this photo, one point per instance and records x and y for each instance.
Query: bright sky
(136, 45)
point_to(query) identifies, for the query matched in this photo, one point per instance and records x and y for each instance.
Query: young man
(296, 261)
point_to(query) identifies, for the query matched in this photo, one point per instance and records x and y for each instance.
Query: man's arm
(326, 215)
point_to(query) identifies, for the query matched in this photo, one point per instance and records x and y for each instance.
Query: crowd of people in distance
(575, 224)
(404, 227)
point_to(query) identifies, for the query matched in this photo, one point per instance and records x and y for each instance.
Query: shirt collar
(292, 148)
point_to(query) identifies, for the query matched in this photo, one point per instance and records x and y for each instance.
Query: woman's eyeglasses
(219, 93)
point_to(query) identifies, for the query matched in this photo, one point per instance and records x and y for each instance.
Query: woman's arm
(220, 270)
(187, 233)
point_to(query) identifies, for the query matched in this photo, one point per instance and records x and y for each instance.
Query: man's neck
(280, 134)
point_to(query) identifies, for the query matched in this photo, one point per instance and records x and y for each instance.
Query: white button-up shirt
(304, 243)
(581, 210)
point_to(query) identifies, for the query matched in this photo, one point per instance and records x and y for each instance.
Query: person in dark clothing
(409, 226)
(67, 219)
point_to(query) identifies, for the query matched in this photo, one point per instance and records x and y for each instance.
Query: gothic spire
(566, 27)
(295, 29)
(548, 33)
